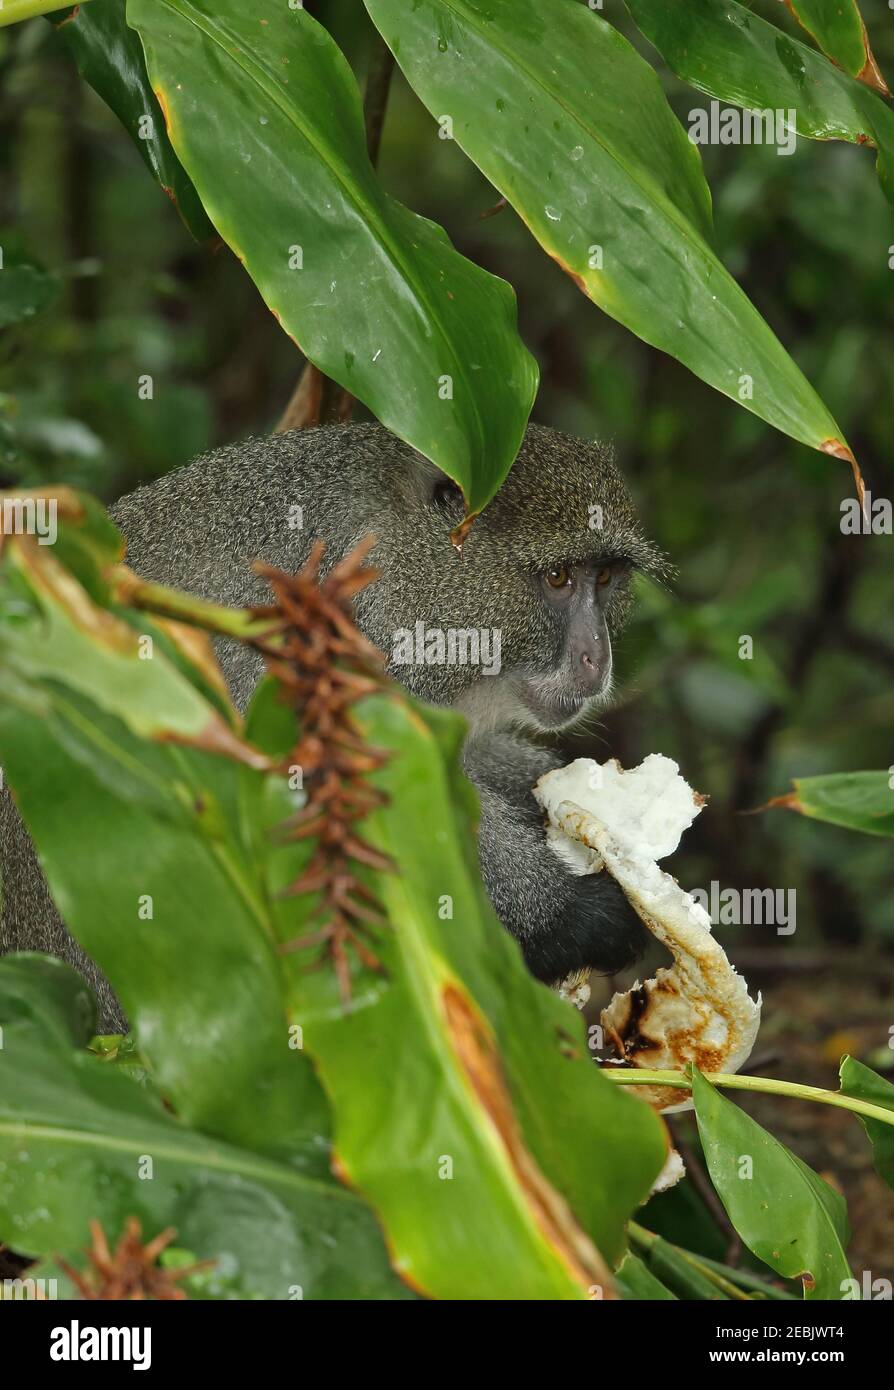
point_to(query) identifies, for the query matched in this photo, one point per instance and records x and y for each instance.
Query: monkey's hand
(565, 922)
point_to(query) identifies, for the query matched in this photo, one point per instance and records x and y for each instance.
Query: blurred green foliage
(750, 519)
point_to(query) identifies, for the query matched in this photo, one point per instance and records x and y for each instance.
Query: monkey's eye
(605, 575)
(558, 576)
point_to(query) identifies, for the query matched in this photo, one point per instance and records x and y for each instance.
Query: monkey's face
(578, 598)
(518, 628)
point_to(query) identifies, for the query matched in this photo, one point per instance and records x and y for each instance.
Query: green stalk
(768, 1084)
(11, 11)
(644, 1241)
(186, 608)
(751, 1283)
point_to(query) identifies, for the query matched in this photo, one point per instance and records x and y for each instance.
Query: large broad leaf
(857, 800)
(865, 1084)
(145, 841)
(785, 1214)
(81, 1140)
(838, 28)
(264, 113)
(99, 653)
(498, 1165)
(110, 57)
(458, 1111)
(723, 49)
(571, 125)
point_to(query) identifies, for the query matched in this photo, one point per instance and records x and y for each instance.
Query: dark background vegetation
(750, 518)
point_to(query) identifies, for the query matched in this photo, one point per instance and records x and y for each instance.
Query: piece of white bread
(699, 1009)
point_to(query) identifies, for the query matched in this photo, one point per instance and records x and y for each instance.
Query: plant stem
(375, 97)
(643, 1241)
(751, 1283)
(768, 1084)
(12, 11)
(170, 603)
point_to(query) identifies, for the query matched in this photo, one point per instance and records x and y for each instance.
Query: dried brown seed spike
(324, 665)
(131, 1272)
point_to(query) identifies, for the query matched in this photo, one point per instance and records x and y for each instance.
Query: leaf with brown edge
(495, 1161)
(107, 757)
(109, 57)
(197, 648)
(727, 51)
(855, 800)
(476, 1051)
(381, 302)
(69, 638)
(838, 28)
(571, 126)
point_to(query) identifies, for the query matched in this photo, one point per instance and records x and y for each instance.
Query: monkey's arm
(564, 922)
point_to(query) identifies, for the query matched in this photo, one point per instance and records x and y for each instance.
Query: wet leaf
(109, 56)
(466, 1107)
(723, 49)
(571, 126)
(375, 296)
(469, 1114)
(784, 1213)
(838, 28)
(82, 1140)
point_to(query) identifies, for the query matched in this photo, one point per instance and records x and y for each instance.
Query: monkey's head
(519, 627)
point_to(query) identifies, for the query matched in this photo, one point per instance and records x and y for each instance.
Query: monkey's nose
(592, 662)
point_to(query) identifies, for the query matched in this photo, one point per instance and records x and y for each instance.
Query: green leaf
(723, 49)
(857, 800)
(837, 27)
(24, 291)
(453, 1059)
(374, 295)
(466, 1108)
(865, 1084)
(784, 1213)
(81, 1140)
(146, 842)
(99, 655)
(110, 57)
(571, 125)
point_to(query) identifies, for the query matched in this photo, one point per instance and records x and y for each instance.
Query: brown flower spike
(324, 664)
(131, 1272)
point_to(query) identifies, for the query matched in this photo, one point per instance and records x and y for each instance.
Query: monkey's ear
(446, 495)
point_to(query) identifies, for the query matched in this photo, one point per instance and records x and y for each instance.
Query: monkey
(546, 568)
